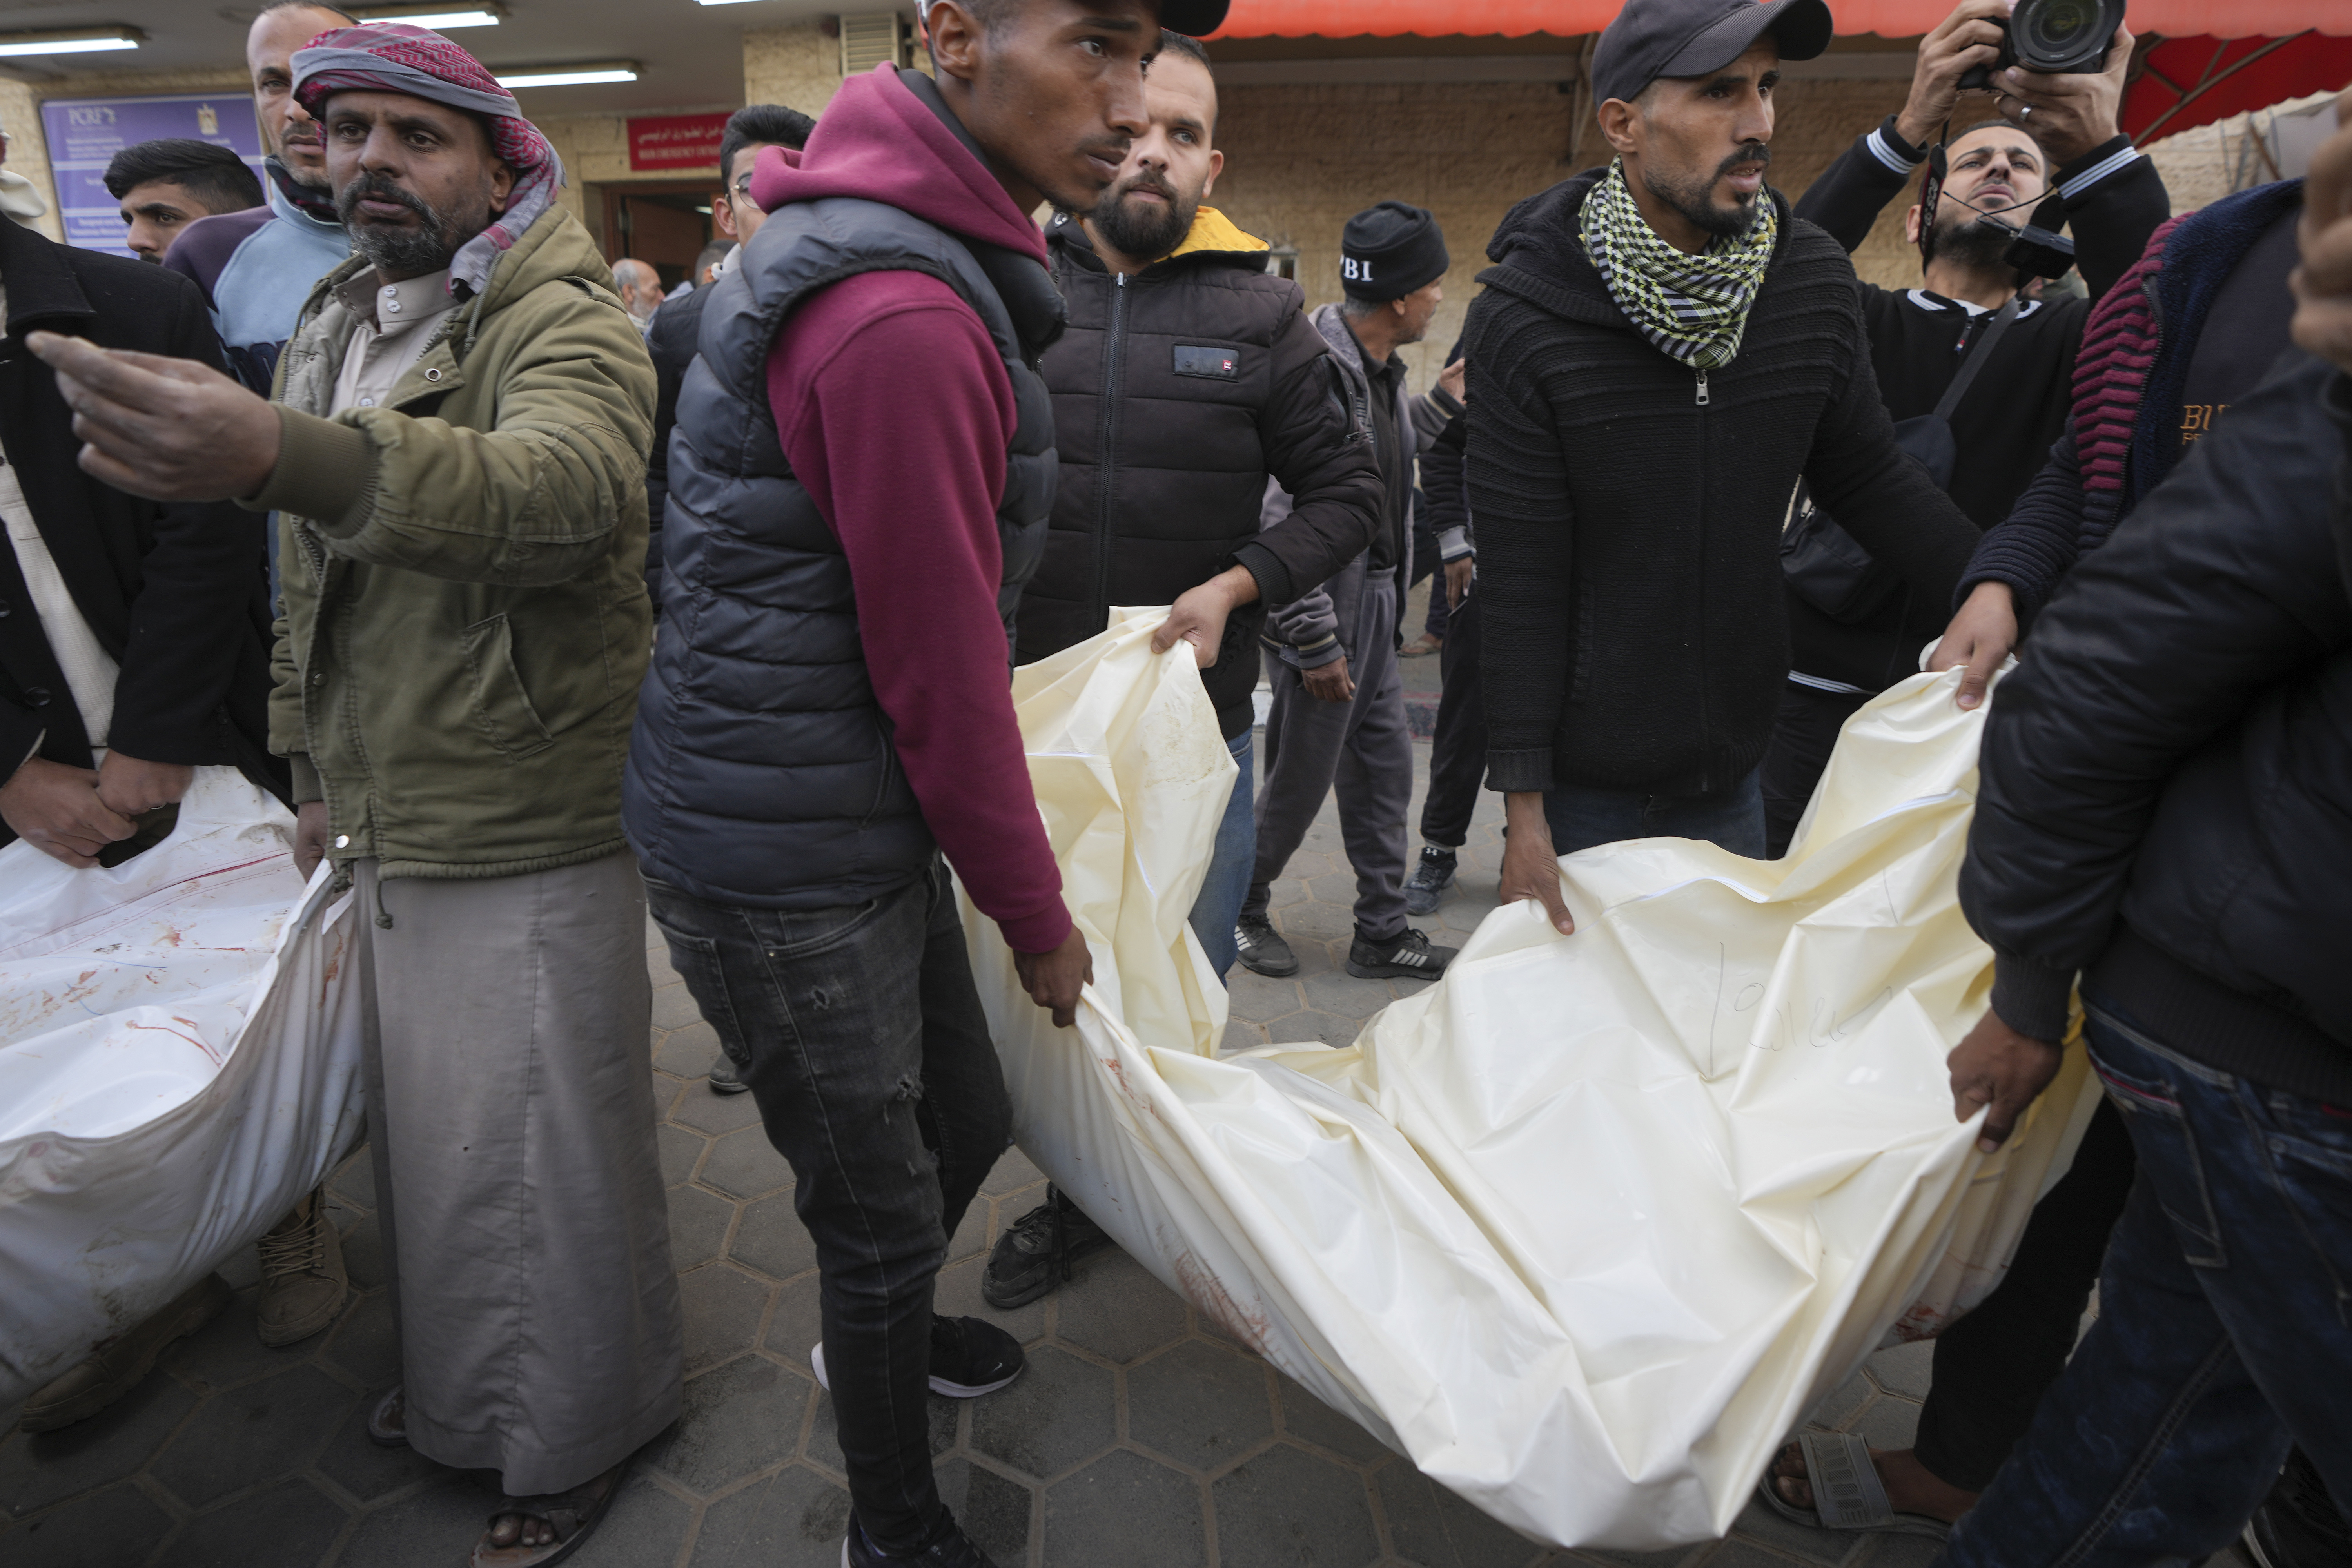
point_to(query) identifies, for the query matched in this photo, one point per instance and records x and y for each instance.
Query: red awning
(1888, 18)
(2189, 82)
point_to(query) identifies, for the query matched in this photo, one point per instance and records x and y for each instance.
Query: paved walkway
(1140, 1436)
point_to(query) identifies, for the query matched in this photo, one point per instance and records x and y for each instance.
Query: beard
(1694, 197)
(1146, 231)
(1974, 241)
(310, 180)
(413, 252)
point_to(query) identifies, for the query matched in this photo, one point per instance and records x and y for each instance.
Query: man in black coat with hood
(1663, 351)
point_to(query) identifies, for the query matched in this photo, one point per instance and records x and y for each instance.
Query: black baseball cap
(1193, 19)
(1654, 38)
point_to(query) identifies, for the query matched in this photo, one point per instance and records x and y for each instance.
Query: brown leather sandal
(573, 1515)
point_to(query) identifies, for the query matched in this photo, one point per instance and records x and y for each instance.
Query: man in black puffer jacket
(1187, 374)
(1660, 355)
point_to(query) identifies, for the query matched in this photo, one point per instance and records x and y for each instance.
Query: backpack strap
(1976, 360)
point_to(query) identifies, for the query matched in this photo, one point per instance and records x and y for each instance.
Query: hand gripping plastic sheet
(178, 1062)
(1586, 1226)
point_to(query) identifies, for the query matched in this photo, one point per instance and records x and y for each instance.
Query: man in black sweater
(2163, 820)
(2063, 136)
(1661, 351)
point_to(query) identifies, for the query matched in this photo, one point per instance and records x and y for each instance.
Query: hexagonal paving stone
(688, 1052)
(674, 1007)
(798, 1320)
(1240, 1036)
(1758, 1522)
(363, 1260)
(993, 1510)
(973, 1232)
(707, 1112)
(1315, 922)
(647, 1524)
(1907, 1370)
(251, 1435)
(1343, 996)
(1010, 1173)
(958, 1296)
(38, 1468)
(117, 1526)
(437, 1525)
(697, 1226)
(1843, 1403)
(367, 1343)
(679, 1148)
(723, 1308)
(1200, 1404)
(1062, 1410)
(745, 1164)
(354, 1179)
(1889, 1423)
(1119, 1311)
(1127, 1510)
(1287, 1508)
(1309, 1029)
(1308, 1418)
(772, 1239)
(365, 1468)
(1673, 1557)
(795, 1518)
(228, 1351)
(1260, 998)
(292, 1522)
(738, 1418)
(1430, 1526)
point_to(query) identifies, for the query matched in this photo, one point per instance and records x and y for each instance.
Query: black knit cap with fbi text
(1388, 251)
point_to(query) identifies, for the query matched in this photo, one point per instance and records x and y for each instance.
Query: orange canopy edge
(1887, 18)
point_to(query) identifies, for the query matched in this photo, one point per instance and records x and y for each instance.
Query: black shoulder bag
(1822, 562)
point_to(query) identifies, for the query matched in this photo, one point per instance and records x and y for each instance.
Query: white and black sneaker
(1262, 950)
(1425, 888)
(969, 1357)
(1412, 957)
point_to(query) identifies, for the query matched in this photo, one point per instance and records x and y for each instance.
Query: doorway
(663, 223)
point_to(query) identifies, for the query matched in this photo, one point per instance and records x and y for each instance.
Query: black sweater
(2019, 403)
(1629, 532)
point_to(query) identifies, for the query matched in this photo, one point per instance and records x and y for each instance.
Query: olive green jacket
(464, 621)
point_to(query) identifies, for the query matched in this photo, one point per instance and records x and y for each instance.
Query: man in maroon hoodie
(859, 483)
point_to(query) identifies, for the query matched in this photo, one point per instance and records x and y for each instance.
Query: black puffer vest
(762, 772)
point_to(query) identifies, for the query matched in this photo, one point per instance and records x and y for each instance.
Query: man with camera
(1856, 632)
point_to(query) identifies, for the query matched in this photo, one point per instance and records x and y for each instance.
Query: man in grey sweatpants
(1338, 719)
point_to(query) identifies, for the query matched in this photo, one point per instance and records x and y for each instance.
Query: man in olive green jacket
(457, 451)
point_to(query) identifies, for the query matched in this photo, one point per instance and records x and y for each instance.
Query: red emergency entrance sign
(666, 142)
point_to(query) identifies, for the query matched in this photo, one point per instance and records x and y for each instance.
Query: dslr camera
(2063, 37)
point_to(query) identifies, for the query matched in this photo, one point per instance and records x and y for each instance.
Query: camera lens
(2062, 35)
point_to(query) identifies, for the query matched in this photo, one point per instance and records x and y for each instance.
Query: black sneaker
(722, 1076)
(2298, 1525)
(969, 1357)
(1262, 950)
(1410, 957)
(1427, 887)
(1034, 1256)
(952, 1548)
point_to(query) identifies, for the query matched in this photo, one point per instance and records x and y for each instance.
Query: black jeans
(1457, 752)
(1804, 733)
(861, 1037)
(1993, 1366)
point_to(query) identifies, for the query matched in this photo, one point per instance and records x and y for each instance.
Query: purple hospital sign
(85, 133)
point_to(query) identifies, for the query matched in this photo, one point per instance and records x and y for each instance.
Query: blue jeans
(1219, 905)
(2225, 1327)
(1582, 817)
(860, 1034)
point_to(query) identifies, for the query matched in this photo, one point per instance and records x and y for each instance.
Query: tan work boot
(302, 1279)
(117, 1368)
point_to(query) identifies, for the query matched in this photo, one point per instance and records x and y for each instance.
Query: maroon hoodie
(894, 409)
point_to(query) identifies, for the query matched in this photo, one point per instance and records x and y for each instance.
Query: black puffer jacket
(1629, 509)
(2167, 795)
(1217, 381)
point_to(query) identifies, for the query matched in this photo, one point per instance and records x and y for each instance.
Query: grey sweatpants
(1361, 748)
(510, 1110)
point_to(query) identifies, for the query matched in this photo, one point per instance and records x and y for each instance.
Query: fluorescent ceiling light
(440, 19)
(568, 76)
(69, 41)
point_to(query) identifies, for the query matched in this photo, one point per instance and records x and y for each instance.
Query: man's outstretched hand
(2002, 1072)
(1530, 870)
(1054, 979)
(2323, 284)
(168, 429)
(1983, 632)
(1199, 617)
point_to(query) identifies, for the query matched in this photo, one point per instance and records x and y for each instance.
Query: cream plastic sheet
(1586, 1227)
(178, 1062)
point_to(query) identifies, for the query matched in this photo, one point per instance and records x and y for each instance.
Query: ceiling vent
(869, 37)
